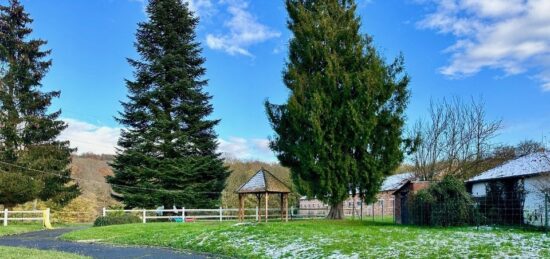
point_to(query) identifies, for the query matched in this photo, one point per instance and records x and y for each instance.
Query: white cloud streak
(509, 35)
(246, 149)
(243, 30)
(90, 138)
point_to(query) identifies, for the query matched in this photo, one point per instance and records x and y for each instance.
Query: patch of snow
(394, 182)
(89, 241)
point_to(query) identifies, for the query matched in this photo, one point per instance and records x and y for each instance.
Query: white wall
(533, 208)
(479, 189)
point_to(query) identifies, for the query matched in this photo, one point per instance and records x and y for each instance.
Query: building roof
(413, 183)
(533, 164)
(263, 181)
(394, 182)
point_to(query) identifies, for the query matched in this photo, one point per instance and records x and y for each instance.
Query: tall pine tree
(340, 131)
(33, 164)
(168, 149)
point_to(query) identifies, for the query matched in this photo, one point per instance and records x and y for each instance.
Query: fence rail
(18, 215)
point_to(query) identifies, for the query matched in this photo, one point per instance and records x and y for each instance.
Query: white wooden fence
(184, 214)
(20, 215)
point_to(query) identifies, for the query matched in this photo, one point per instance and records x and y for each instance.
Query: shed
(264, 183)
(521, 185)
(402, 197)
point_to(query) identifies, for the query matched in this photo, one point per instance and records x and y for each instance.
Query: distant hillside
(90, 172)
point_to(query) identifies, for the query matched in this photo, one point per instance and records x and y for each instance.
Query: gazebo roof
(263, 181)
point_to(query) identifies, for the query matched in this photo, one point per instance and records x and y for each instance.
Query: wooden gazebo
(263, 183)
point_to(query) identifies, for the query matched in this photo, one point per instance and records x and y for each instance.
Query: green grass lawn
(322, 238)
(18, 253)
(12, 229)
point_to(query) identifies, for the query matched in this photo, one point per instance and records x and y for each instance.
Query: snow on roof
(526, 165)
(394, 182)
(263, 181)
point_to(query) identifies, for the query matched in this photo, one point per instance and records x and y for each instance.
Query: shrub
(446, 203)
(116, 220)
(420, 205)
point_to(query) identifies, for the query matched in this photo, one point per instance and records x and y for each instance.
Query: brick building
(352, 206)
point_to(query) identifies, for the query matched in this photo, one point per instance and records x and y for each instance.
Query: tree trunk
(336, 211)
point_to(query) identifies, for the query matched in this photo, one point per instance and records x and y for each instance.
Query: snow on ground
(386, 242)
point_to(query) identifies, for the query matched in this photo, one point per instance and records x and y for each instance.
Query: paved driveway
(48, 240)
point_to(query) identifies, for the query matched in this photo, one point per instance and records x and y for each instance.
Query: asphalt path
(49, 240)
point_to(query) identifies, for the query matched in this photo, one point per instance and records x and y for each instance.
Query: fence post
(183, 214)
(256, 213)
(383, 210)
(5, 217)
(144, 215)
(221, 214)
(546, 201)
(373, 210)
(104, 212)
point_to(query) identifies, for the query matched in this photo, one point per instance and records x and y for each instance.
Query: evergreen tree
(168, 149)
(33, 164)
(340, 131)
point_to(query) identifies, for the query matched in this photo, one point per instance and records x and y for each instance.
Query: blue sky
(498, 49)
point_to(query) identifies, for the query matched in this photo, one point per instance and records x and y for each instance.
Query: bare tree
(455, 138)
(527, 147)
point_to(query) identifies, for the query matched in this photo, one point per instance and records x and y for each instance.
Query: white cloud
(244, 149)
(201, 7)
(88, 137)
(243, 30)
(509, 35)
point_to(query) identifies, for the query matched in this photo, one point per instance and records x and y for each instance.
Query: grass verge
(18, 253)
(13, 229)
(322, 238)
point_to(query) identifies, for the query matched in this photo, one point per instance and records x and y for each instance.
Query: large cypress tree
(340, 131)
(168, 148)
(33, 164)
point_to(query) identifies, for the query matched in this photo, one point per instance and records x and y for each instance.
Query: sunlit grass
(18, 253)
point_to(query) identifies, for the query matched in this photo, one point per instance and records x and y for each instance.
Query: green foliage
(445, 203)
(29, 133)
(340, 130)
(420, 205)
(116, 220)
(168, 145)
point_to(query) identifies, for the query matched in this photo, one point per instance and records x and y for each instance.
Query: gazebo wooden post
(282, 204)
(285, 205)
(241, 207)
(259, 196)
(266, 206)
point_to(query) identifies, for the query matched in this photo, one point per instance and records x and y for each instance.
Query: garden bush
(446, 203)
(116, 220)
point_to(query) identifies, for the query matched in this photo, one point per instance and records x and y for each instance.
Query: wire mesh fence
(503, 209)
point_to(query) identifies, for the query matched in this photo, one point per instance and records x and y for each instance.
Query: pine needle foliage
(340, 131)
(168, 148)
